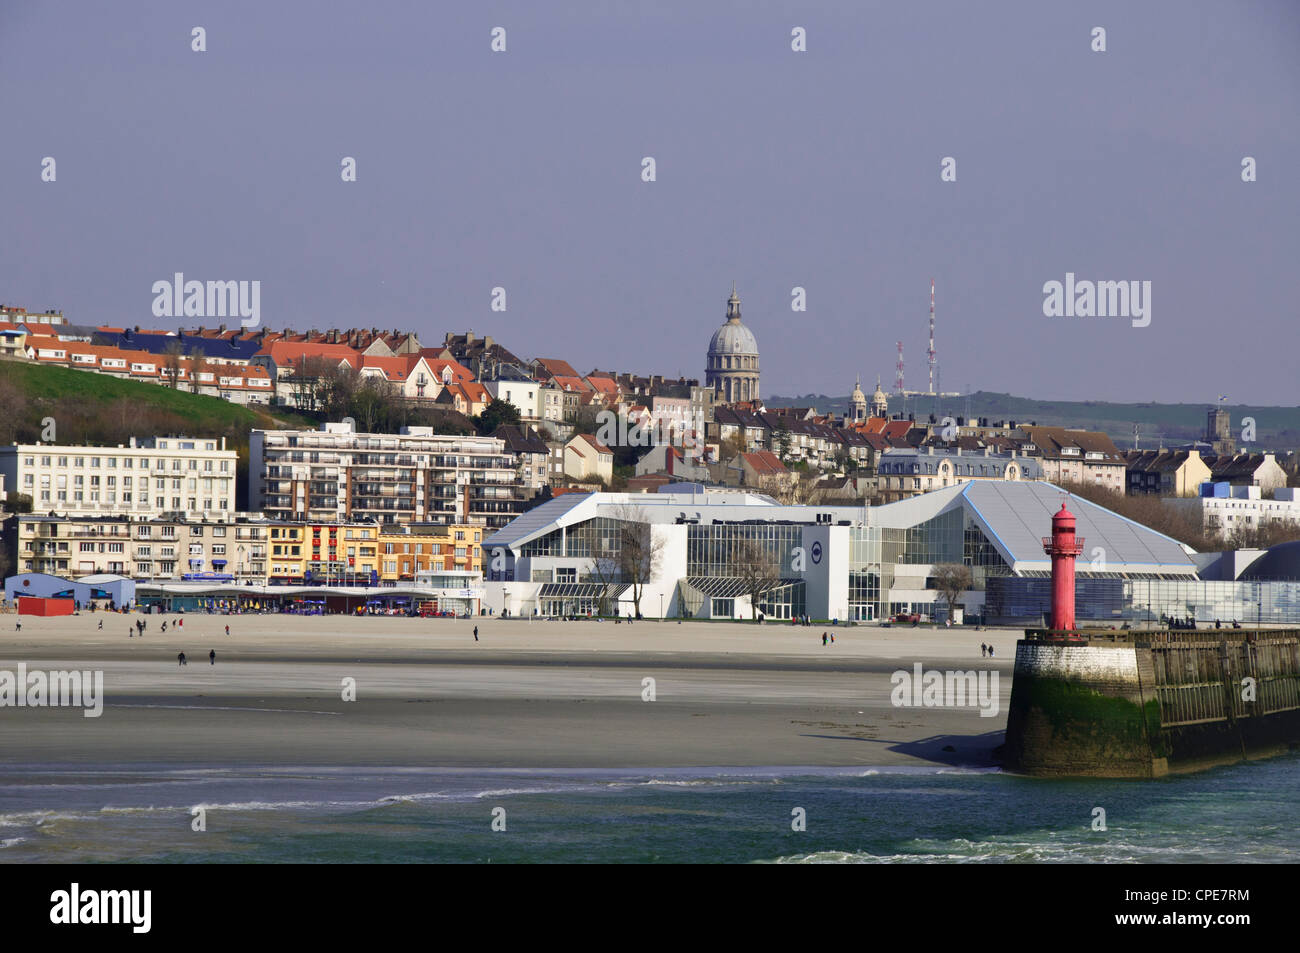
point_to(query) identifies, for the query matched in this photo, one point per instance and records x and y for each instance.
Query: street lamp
(661, 607)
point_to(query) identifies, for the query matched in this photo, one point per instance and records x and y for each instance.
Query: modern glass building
(731, 554)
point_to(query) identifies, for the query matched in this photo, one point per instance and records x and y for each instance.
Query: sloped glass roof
(1017, 515)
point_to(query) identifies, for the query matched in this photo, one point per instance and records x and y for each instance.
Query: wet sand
(539, 694)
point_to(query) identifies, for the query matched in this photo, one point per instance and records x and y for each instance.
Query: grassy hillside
(30, 392)
(1277, 428)
(98, 410)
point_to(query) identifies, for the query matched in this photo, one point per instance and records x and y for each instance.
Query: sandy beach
(539, 694)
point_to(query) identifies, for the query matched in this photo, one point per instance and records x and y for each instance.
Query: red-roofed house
(283, 361)
(467, 397)
(408, 374)
(764, 469)
(446, 370)
(554, 367)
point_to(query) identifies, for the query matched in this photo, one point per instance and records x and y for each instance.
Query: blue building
(101, 588)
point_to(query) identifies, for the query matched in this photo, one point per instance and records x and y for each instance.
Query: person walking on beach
(227, 630)
(18, 627)
(180, 658)
(990, 650)
(823, 638)
(212, 657)
(101, 623)
(475, 633)
(832, 638)
(984, 650)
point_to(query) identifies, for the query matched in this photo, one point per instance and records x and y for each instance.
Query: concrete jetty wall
(1144, 703)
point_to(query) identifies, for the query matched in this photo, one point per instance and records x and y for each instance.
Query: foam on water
(859, 814)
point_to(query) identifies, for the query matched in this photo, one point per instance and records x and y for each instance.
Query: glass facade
(864, 596)
(718, 594)
(600, 535)
(710, 550)
(950, 537)
(1013, 600)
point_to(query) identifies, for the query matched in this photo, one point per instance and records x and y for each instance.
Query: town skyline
(528, 179)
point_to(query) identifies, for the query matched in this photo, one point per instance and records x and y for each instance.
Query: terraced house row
(247, 549)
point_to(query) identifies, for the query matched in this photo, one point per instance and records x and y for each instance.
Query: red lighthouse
(1064, 547)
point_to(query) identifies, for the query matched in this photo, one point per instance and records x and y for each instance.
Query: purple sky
(775, 169)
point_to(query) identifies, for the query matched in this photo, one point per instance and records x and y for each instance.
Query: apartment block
(338, 475)
(74, 547)
(429, 548)
(178, 477)
(344, 553)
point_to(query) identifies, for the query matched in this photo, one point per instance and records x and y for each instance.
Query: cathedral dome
(731, 367)
(733, 339)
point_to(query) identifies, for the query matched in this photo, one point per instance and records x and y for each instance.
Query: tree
(198, 365)
(729, 448)
(758, 569)
(172, 355)
(781, 439)
(496, 414)
(951, 580)
(585, 419)
(12, 407)
(328, 386)
(639, 552)
(1152, 512)
(1263, 536)
(602, 548)
(792, 489)
(371, 404)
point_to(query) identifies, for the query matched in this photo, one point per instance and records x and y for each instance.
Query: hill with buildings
(99, 410)
(1276, 427)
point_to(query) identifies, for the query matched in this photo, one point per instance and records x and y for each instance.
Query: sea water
(1241, 813)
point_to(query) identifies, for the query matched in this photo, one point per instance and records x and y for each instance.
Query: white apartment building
(525, 395)
(336, 474)
(181, 477)
(1244, 509)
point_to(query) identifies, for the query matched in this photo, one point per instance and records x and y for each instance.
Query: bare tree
(640, 553)
(951, 580)
(603, 550)
(1263, 536)
(172, 355)
(790, 489)
(198, 365)
(1150, 511)
(758, 569)
(372, 403)
(12, 401)
(320, 384)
